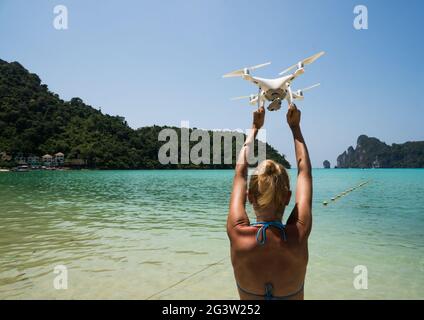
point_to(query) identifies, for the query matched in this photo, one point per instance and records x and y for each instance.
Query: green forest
(35, 121)
(370, 152)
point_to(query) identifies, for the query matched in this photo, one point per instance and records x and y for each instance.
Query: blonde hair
(269, 185)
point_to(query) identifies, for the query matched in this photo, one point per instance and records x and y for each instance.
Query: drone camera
(275, 105)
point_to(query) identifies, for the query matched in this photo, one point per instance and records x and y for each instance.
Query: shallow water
(134, 234)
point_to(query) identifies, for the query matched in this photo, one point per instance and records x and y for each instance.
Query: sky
(161, 62)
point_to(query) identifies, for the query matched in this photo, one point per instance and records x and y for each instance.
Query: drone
(274, 90)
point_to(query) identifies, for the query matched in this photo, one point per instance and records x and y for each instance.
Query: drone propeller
(304, 62)
(243, 97)
(240, 72)
(308, 88)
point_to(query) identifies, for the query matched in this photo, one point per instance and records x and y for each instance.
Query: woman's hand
(258, 118)
(293, 116)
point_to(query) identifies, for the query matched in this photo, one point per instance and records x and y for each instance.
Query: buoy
(345, 192)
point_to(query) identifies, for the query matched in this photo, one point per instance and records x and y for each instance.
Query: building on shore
(59, 159)
(33, 160)
(47, 160)
(21, 160)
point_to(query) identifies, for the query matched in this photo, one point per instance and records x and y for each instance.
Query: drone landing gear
(289, 96)
(260, 102)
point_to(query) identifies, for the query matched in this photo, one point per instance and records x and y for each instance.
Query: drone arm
(261, 102)
(296, 74)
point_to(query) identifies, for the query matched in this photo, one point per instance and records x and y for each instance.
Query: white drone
(274, 90)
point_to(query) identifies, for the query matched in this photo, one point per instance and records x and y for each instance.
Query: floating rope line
(344, 193)
(186, 278)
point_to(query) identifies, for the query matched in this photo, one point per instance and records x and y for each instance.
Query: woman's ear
(289, 194)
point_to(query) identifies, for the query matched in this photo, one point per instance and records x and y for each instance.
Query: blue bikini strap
(268, 291)
(262, 230)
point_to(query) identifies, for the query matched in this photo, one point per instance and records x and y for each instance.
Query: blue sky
(160, 62)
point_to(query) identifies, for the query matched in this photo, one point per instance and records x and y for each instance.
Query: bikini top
(261, 234)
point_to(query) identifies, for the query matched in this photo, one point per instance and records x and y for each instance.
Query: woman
(270, 259)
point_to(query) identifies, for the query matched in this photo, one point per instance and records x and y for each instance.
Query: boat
(22, 168)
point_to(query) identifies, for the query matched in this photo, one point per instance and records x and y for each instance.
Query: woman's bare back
(278, 262)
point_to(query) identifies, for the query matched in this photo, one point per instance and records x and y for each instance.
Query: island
(370, 152)
(40, 130)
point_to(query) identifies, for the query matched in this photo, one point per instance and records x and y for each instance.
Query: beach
(160, 234)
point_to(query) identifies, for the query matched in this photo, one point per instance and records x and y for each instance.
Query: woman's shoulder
(243, 238)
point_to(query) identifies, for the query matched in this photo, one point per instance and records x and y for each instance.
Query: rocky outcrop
(373, 153)
(326, 164)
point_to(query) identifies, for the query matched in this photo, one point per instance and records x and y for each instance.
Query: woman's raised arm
(237, 213)
(302, 212)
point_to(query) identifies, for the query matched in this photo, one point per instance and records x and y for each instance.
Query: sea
(160, 234)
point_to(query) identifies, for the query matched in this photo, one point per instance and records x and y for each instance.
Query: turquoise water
(134, 234)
